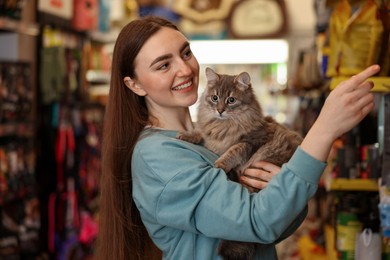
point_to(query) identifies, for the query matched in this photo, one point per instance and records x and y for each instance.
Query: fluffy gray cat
(231, 123)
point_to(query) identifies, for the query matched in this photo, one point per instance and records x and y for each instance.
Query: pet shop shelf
(342, 184)
(18, 129)
(103, 37)
(98, 76)
(381, 84)
(99, 85)
(8, 24)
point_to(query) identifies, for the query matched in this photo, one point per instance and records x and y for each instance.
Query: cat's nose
(220, 111)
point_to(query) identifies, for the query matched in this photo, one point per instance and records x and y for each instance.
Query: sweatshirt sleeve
(176, 185)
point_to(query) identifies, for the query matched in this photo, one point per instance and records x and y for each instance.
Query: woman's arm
(345, 107)
(179, 188)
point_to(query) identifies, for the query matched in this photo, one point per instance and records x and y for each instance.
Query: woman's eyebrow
(167, 56)
(160, 58)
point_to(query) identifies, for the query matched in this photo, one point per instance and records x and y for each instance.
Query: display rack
(341, 184)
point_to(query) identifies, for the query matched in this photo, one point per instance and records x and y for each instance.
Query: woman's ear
(133, 86)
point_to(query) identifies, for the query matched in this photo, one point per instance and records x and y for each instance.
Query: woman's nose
(184, 68)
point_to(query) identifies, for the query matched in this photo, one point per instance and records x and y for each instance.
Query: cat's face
(227, 96)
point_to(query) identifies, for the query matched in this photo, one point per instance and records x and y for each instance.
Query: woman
(154, 185)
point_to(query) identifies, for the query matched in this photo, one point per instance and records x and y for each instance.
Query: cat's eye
(214, 98)
(231, 100)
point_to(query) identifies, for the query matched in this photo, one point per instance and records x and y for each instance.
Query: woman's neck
(178, 120)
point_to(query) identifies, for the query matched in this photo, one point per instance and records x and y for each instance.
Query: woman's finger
(355, 81)
(265, 166)
(258, 174)
(253, 183)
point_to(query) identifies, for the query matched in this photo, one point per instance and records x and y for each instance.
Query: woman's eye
(163, 66)
(231, 100)
(214, 98)
(187, 54)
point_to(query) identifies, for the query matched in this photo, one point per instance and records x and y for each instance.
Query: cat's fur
(231, 123)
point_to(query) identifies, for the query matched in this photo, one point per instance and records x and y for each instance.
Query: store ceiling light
(240, 51)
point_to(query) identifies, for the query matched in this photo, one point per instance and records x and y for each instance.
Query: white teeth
(183, 86)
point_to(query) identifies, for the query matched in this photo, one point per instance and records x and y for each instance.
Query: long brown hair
(121, 232)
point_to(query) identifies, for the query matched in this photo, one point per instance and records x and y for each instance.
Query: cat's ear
(243, 80)
(133, 86)
(211, 75)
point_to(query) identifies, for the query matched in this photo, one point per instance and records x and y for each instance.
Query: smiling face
(167, 73)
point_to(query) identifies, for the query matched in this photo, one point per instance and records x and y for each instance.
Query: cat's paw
(190, 136)
(222, 165)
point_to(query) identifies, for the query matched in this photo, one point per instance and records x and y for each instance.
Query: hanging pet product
(85, 15)
(355, 38)
(368, 245)
(63, 204)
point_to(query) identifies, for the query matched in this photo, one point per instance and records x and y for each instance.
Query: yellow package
(384, 56)
(355, 38)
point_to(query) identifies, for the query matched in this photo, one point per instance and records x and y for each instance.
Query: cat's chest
(216, 146)
(220, 138)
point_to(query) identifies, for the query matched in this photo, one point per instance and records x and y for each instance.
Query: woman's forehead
(166, 41)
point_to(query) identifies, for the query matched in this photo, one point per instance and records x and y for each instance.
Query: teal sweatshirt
(188, 205)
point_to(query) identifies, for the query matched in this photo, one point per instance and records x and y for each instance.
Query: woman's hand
(257, 176)
(343, 109)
